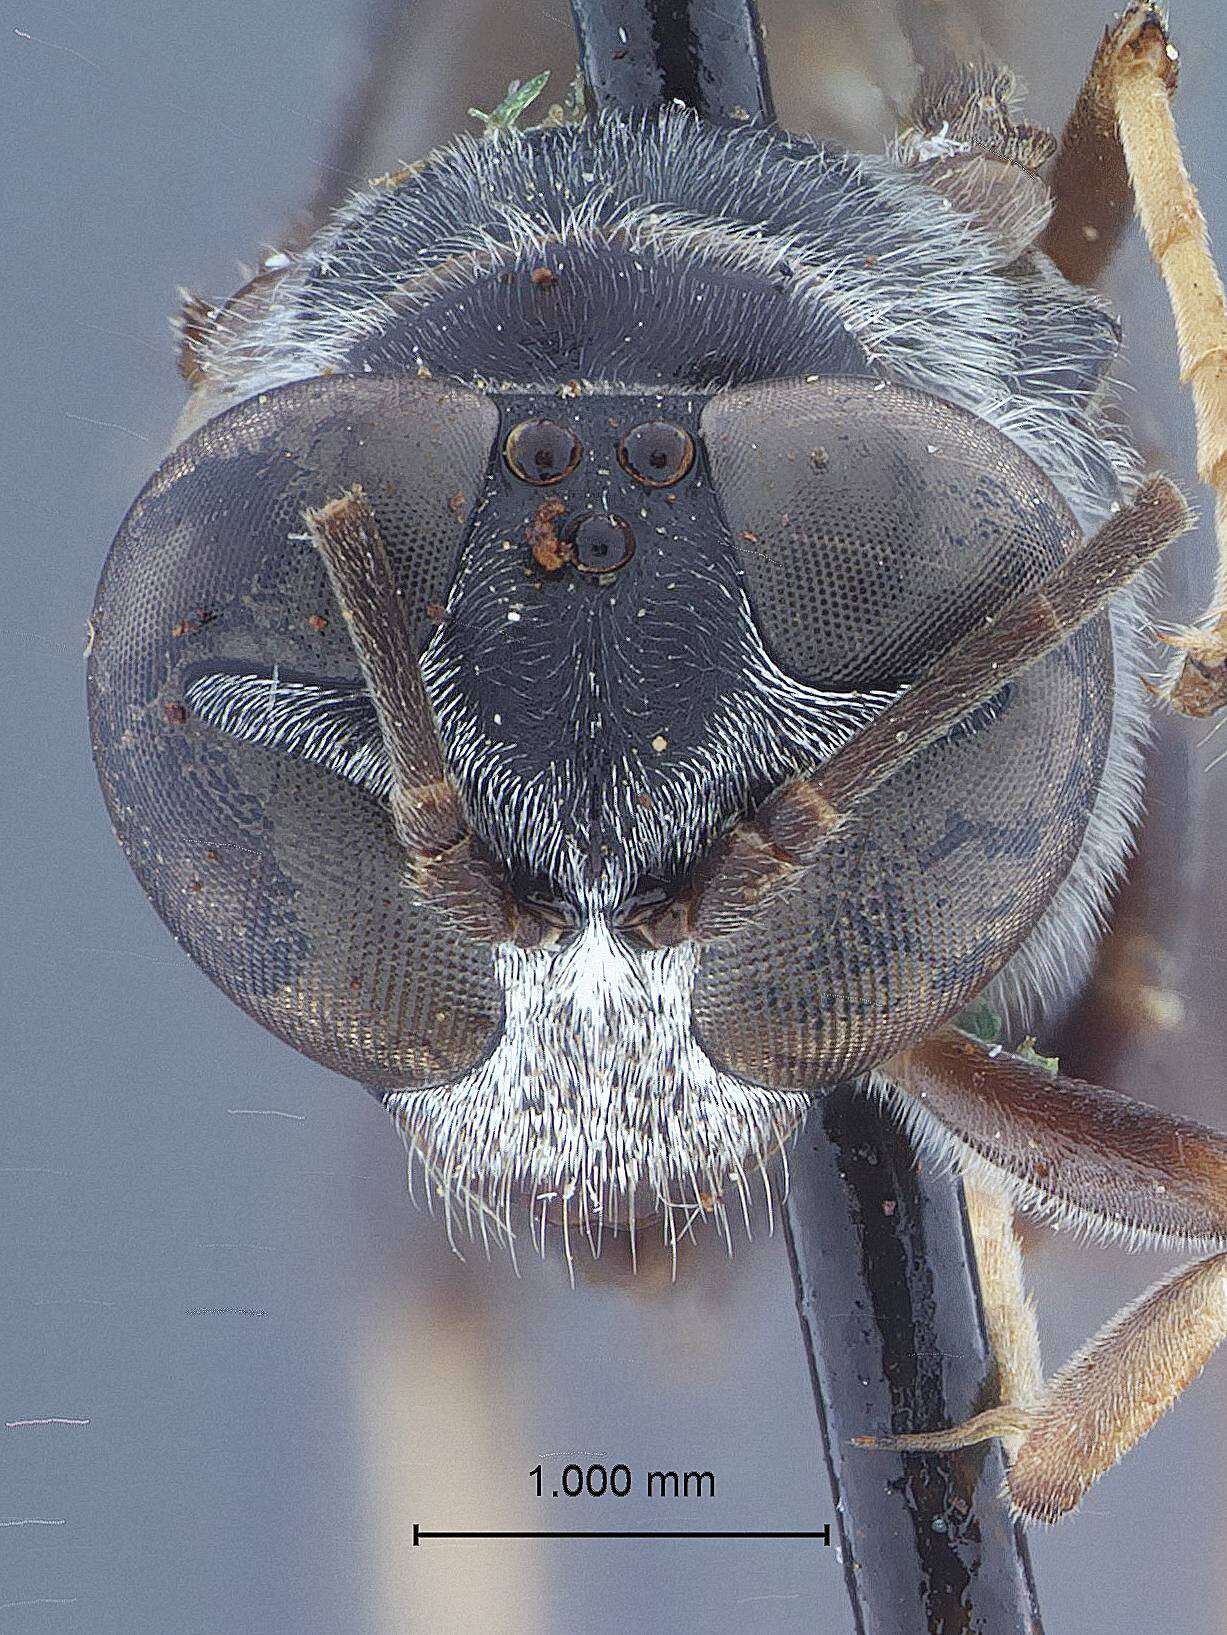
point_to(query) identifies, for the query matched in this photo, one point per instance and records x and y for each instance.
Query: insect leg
(1009, 1312)
(426, 811)
(1070, 1150)
(1091, 191)
(1009, 1322)
(1098, 1159)
(1135, 80)
(763, 855)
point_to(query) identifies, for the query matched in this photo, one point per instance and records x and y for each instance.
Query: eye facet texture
(874, 523)
(875, 526)
(282, 880)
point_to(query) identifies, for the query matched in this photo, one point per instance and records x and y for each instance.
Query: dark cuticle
(657, 453)
(542, 451)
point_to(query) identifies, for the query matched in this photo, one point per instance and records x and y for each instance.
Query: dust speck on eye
(660, 743)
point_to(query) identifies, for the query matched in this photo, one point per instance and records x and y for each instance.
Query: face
(674, 508)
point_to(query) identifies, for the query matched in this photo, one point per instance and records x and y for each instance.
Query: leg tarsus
(1006, 1421)
(1102, 1402)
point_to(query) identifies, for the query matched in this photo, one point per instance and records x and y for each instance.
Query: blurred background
(236, 1364)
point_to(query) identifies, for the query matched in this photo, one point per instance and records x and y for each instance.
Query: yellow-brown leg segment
(1135, 70)
(1009, 1313)
(1113, 1164)
(1111, 1392)
(1009, 1319)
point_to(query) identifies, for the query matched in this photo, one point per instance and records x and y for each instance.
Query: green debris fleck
(521, 94)
(981, 1021)
(1046, 1064)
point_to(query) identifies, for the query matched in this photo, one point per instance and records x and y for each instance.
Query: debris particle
(549, 551)
(660, 743)
(819, 459)
(519, 97)
(317, 621)
(436, 612)
(543, 277)
(457, 504)
(174, 714)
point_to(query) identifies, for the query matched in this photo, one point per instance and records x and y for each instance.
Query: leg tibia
(1110, 1394)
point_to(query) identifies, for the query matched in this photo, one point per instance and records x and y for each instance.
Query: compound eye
(657, 453)
(875, 524)
(542, 451)
(281, 876)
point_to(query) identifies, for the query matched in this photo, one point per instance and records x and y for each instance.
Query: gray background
(281, 1365)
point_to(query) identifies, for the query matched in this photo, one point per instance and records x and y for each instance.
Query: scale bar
(421, 1533)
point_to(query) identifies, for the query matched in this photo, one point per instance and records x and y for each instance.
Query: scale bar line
(421, 1533)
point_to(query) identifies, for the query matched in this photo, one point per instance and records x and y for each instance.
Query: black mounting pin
(638, 54)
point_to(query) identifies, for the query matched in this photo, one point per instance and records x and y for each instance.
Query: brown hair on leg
(1113, 1165)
